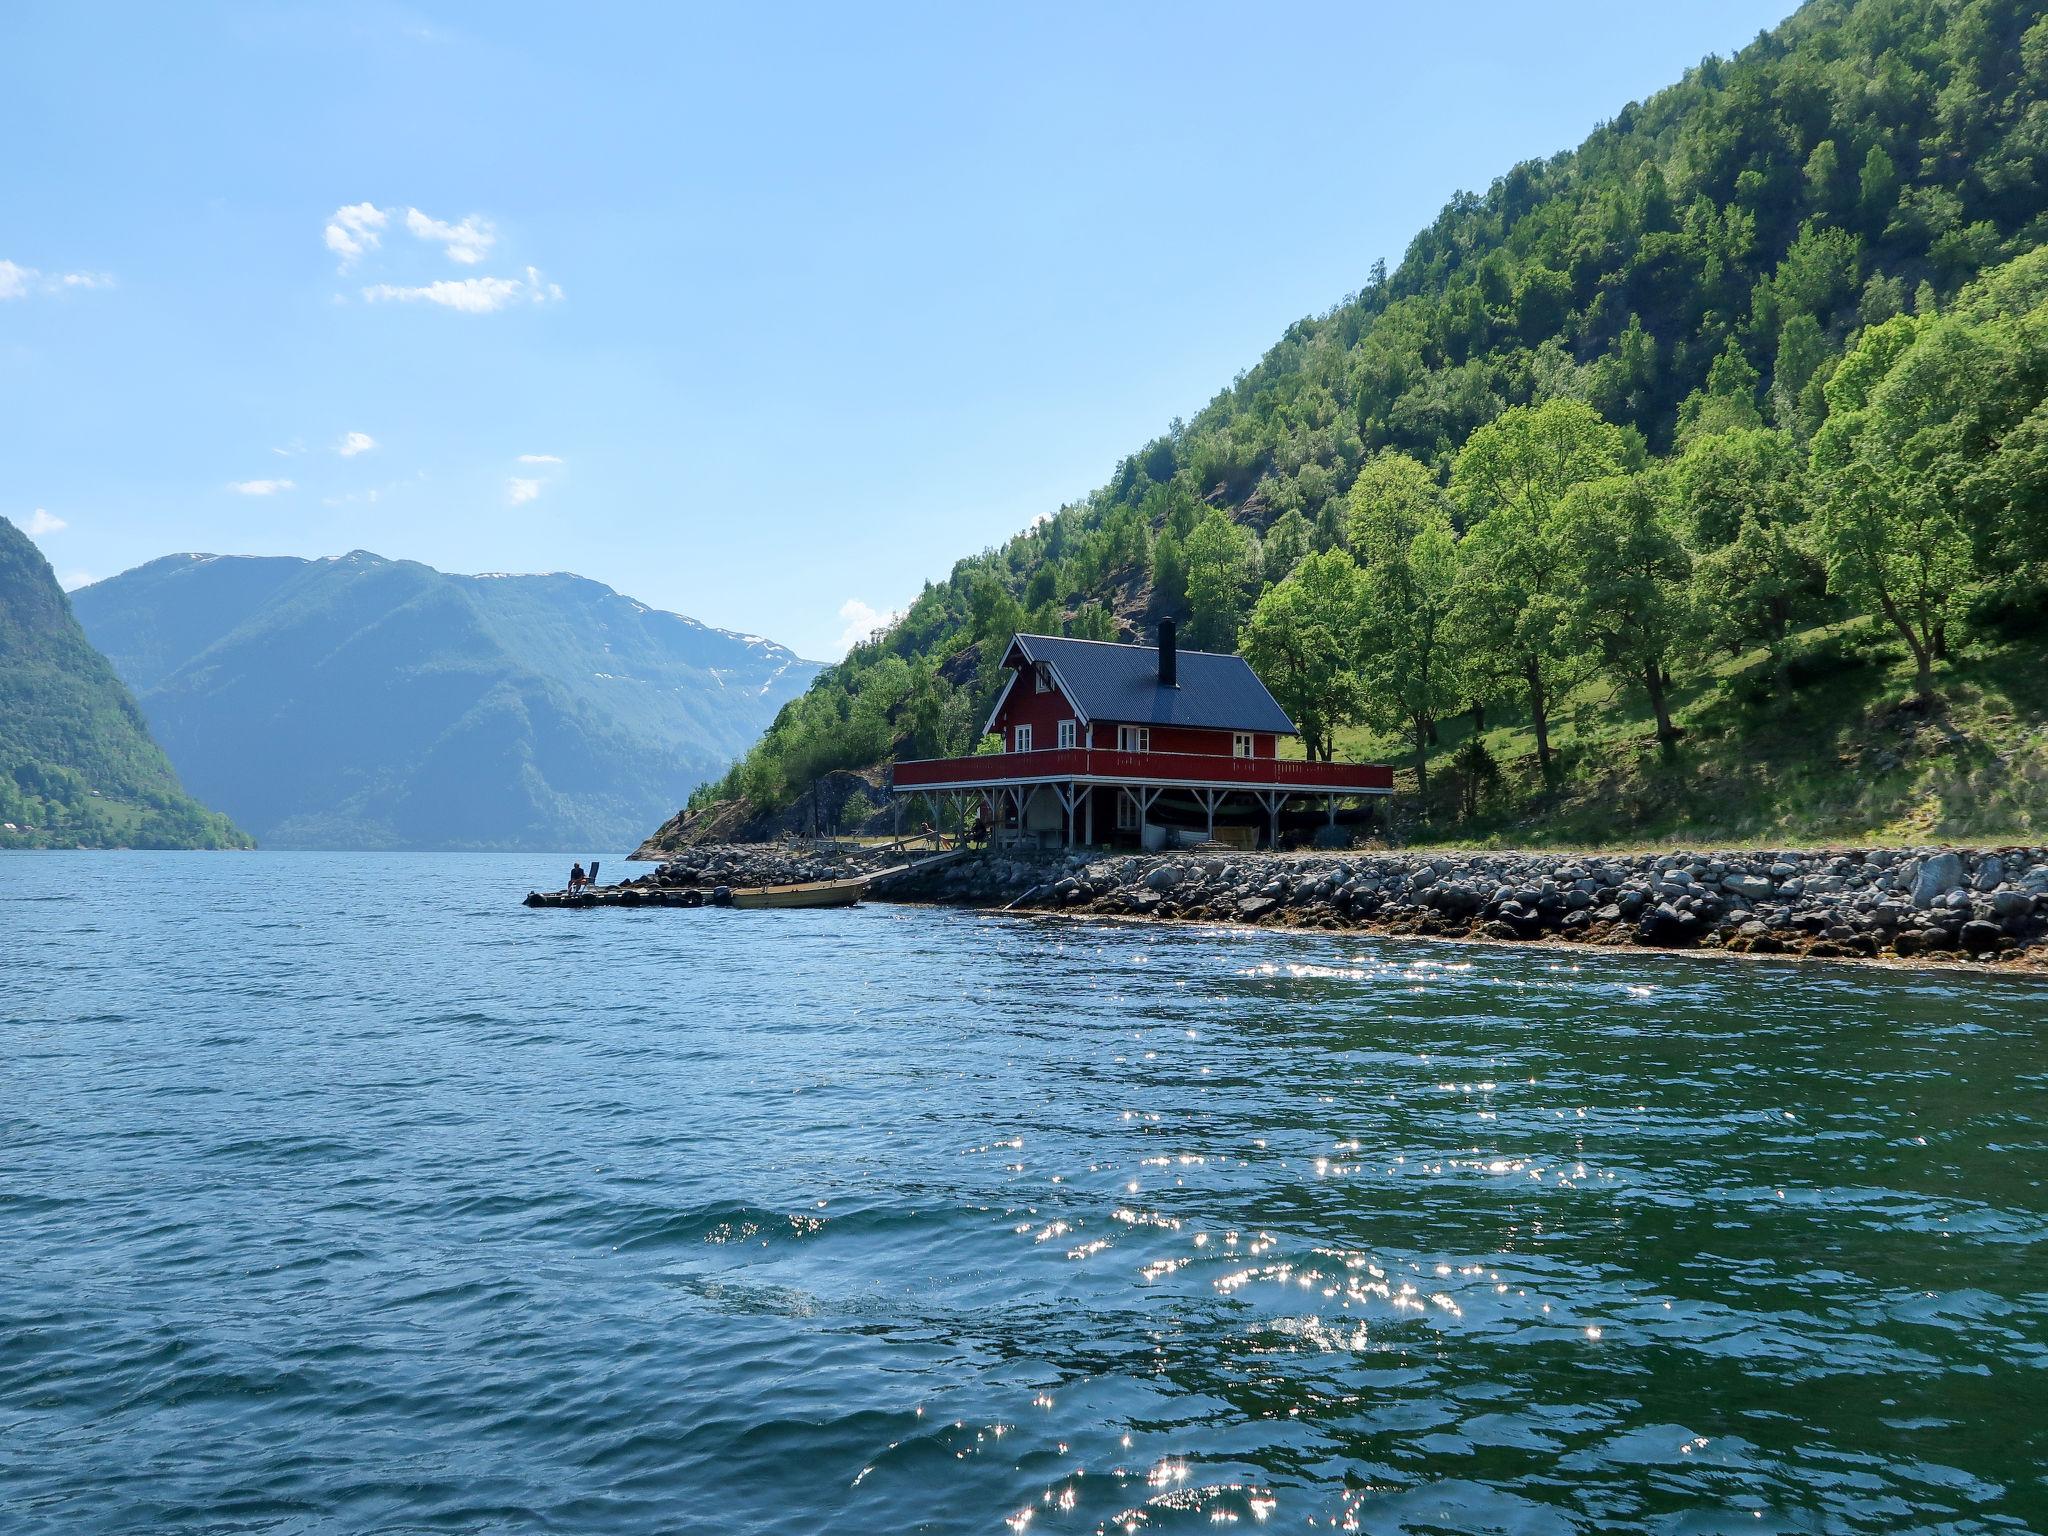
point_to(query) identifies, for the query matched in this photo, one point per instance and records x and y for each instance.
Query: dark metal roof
(1120, 683)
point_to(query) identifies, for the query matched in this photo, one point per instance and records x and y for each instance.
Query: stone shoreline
(1985, 905)
(1979, 905)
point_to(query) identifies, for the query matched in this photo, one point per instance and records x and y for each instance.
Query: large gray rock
(1164, 878)
(1938, 876)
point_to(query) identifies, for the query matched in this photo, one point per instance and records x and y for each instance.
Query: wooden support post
(1069, 799)
(1088, 814)
(1273, 799)
(1146, 798)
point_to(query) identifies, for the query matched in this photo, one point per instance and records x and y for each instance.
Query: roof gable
(1120, 683)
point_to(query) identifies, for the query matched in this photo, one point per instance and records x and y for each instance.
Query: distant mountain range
(77, 767)
(360, 702)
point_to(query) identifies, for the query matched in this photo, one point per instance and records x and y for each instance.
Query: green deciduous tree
(1726, 404)
(1887, 520)
(1515, 594)
(1222, 573)
(1628, 571)
(1169, 573)
(1408, 554)
(1302, 638)
(1285, 545)
(1740, 501)
(1878, 188)
(1892, 546)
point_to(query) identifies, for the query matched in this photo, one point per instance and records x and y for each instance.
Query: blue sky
(765, 318)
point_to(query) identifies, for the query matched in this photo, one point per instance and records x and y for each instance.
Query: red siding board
(1041, 711)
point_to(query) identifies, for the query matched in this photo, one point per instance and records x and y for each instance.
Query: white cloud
(259, 487)
(862, 620)
(353, 443)
(353, 229)
(357, 228)
(519, 489)
(40, 522)
(18, 282)
(538, 458)
(466, 243)
(71, 581)
(470, 295)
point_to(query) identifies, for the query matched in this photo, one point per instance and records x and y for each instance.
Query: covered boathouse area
(1104, 742)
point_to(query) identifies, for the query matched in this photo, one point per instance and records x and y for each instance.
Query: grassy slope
(1844, 758)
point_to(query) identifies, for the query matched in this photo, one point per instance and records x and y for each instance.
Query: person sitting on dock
(575, 877)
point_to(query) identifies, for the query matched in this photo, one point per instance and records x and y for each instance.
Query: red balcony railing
(1142, 767)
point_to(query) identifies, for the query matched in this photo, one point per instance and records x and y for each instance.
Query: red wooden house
(1100, 741)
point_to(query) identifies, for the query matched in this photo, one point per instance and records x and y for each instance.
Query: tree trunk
(1654, 683)
(1422, 730)
(1923, 651)
(1479, 718)
(1780, 610)
(1539, 718)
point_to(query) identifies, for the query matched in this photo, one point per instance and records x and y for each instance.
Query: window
(1066, 733)
(1126, 812)
(1042, 674)
(1023, 739)
(1240, 743)
(1134, 738)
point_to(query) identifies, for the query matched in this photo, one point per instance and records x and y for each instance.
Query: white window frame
(1134, 738)
(1022, 735)
(1041, 673)
(1066, 737)
(1243, 744)
(1126, 811)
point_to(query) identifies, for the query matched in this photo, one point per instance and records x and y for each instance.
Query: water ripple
(341, 1194)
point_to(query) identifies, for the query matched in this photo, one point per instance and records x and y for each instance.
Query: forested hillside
(360, 702)
(77, 767)
(1699, 466)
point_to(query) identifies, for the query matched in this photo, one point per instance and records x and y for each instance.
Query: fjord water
(341, 1194)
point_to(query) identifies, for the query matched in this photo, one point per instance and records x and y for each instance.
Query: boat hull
(813, 893)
